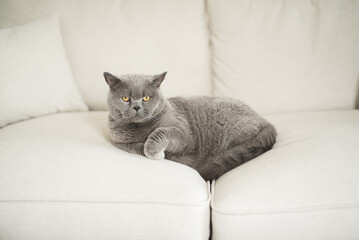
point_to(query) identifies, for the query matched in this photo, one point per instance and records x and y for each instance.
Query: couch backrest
(121, 36)
(275, 55)
(286, 55)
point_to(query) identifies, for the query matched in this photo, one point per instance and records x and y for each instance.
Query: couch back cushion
(286, 55)
(35, 76)
(126, 37)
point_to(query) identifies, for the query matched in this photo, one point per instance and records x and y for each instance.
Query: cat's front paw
(153, 151)
(156, 145)
(155, 156)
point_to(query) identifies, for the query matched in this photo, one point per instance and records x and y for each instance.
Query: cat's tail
(240, 154)
(263, 142)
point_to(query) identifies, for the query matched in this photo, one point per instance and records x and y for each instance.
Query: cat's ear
(158, 79)
(110, 79)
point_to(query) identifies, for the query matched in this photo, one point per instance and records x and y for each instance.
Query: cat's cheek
(114, 114)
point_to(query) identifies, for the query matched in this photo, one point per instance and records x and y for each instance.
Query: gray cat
(210, 134)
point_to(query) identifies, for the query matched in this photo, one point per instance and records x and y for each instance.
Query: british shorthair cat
(210, 134)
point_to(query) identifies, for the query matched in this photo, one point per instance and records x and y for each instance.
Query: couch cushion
(286, 55)
(306, 187)
(60, 177)
(126, 36)
(35, 76)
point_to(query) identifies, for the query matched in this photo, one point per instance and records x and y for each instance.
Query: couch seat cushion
(61, 178)
(309, 180)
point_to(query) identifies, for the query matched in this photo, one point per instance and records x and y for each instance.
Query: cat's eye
(125, 99)
(146, 99)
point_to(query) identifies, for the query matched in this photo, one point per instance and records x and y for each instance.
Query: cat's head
(134, 98)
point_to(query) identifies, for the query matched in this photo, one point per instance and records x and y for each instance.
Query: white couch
(295, 62)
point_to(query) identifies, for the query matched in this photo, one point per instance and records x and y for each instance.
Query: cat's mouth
(138, 117)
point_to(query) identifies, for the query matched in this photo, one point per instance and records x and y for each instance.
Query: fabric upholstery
(121, 36)
(306, 187)
(280, 56)
(64, 169)
(35, 77)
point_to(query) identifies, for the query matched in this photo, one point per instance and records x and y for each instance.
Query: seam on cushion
(123, 201)
(108, 202)
(283, 211)
(279, 210)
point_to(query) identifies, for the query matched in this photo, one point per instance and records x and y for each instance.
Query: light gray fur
(210, 134)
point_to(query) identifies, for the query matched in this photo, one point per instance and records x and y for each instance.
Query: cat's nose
(136, 108)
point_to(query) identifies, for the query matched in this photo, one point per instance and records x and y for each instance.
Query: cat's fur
(210, 134)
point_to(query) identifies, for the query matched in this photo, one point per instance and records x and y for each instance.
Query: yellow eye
(146, 99)
(125, 99)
